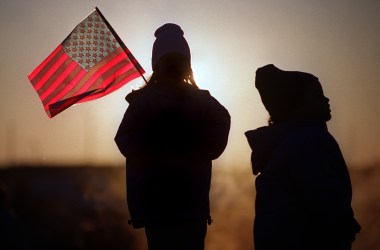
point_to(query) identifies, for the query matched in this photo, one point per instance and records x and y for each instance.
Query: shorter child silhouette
(303, 187)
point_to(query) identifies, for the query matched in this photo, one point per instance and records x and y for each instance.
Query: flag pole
(117, 38)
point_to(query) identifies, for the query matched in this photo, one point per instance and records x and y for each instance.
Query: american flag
(90, 63)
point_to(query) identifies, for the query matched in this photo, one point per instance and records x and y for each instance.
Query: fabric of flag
(90, 63)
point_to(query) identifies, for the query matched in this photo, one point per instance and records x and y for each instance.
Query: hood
(263, 141)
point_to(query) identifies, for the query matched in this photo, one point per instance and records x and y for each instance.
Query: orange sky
(338, 41)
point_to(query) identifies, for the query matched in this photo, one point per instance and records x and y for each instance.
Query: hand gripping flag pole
(90, 63)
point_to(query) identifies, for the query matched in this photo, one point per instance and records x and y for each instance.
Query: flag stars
(91, 40)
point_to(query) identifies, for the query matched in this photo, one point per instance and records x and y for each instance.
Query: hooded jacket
(303, 188)
(169, 137)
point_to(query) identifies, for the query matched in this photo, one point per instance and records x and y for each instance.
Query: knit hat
(169, 39)
(282, 91)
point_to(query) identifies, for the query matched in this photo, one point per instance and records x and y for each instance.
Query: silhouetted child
(169, 136)
(303, 187)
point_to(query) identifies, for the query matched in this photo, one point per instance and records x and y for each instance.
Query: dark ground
(69, 208)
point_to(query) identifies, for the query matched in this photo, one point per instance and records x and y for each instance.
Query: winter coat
(303, 188)
(169, 138)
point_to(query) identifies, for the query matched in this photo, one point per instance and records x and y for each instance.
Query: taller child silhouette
(169, 136)
(303, 188)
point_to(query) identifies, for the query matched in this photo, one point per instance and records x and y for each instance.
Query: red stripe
(126, 78)
(122, 82)
(43, 64)
(108, 77)
(51, 71)
(117, 73)
(67, 89)
(101, 71)
(54, 77)
(65, 82)
(124, 69)
(59, 80)
(109, 81)
(105, 84)
(45, 69)
(118, 84)
(58, 107)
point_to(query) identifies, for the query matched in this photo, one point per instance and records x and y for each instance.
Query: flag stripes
(118, 82)
(50, 73)
(64, 89)
(42, 66)
(62, 78)
(46, 92)
(58, 107)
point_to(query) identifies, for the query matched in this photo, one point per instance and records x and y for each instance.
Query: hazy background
(338, 41)
(85, 208)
